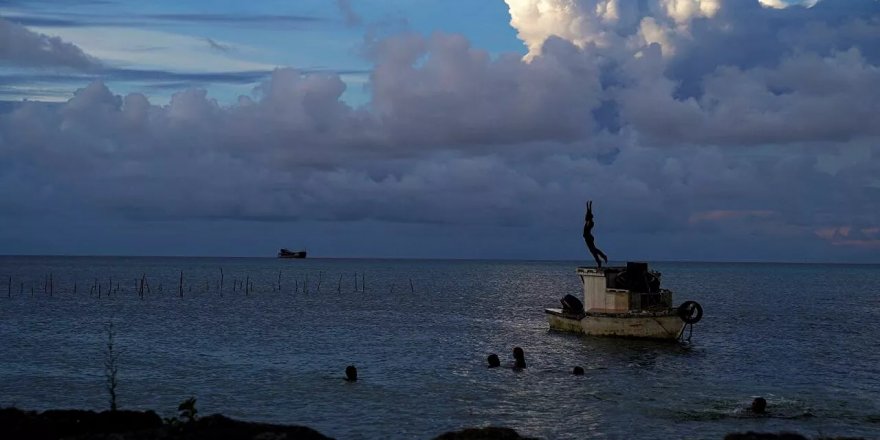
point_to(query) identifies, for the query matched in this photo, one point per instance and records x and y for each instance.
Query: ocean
(805, 337)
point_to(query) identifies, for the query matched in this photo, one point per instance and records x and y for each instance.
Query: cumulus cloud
(20, 46)
(781, 148)
(620, 24)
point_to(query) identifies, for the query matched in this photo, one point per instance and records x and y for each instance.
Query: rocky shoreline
(147, 425)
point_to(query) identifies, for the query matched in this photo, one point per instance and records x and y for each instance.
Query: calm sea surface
(806, 337)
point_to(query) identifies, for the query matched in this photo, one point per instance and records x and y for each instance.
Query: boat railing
(661, 300)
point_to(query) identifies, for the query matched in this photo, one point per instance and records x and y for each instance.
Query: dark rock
(223, 428)
(781, 436)
(70, 423)
(764, 436)
(490, 433)
(135, 425)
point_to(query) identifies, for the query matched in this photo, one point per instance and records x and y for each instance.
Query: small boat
(624, 301)
(284, 253)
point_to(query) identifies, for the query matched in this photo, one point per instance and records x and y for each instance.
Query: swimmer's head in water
(520, 357)
(493, 360)
(351, 373)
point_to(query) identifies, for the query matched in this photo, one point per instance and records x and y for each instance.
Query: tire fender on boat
(691, 312)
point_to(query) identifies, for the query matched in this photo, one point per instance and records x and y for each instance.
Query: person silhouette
(519, 358)
(588, 236)
(759, 406)
(494, 361)
(351, 373)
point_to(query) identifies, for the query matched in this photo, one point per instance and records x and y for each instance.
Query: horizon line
(548, 260)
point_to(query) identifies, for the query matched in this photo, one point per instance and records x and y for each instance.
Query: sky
(702, 130)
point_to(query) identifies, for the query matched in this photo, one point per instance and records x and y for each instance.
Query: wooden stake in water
(221, 281)
(9, 287)
(180, 286)
(247, 284)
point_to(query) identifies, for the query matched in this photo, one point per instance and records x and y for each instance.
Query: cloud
(782, 4)
(351, 17)
(624, 26)
(20, 46)
(235, 19)
(218, 46)
(443, 90)
(744, 157)
(836, 101)
(69, 19)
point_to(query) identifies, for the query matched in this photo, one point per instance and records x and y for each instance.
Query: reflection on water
(419, 333)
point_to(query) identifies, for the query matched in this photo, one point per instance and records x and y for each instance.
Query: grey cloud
(805, 98)
(217, 46)
(441, 90)
(747, 36)
(235, 18)
(72, 19)
(351, 17)
(20, 46)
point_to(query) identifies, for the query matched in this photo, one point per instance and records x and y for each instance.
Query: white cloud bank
(607, 23)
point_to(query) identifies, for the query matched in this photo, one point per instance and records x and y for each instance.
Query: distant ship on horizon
(285, 253)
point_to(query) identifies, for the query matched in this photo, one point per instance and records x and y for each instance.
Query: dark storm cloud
(779, 155)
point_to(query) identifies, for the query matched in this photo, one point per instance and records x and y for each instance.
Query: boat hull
(664, 325)
(284, 253)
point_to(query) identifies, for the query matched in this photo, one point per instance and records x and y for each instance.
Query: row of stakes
(142, 285)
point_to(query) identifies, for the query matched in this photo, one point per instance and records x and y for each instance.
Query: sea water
(805, 337)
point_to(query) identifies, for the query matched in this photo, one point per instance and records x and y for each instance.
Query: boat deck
(608, 313)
